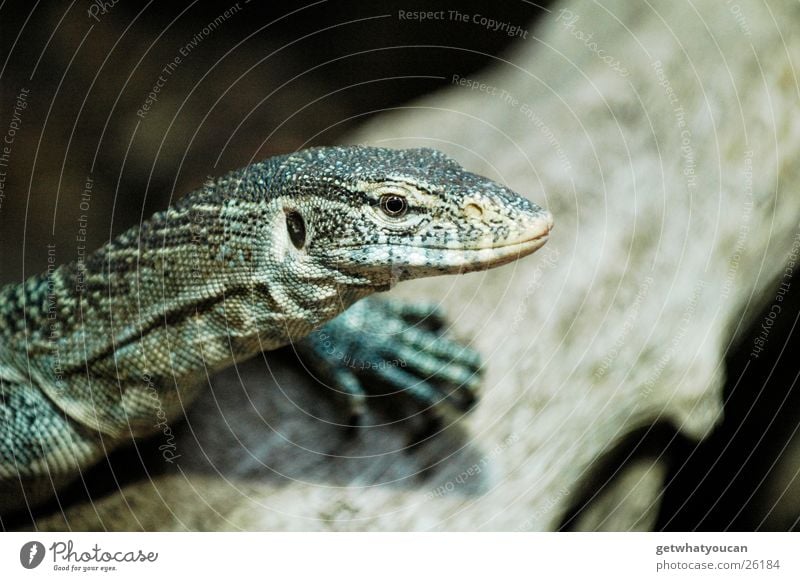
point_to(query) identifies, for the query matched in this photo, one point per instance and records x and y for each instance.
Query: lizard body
(91, 353)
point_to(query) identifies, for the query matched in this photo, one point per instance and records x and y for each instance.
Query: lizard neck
(187, 292)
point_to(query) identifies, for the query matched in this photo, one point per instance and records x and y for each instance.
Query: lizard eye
(296, 228)
(394, 205)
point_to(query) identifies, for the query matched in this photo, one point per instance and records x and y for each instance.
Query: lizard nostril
(473, 210)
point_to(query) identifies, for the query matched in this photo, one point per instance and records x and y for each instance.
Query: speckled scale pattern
(136, 329)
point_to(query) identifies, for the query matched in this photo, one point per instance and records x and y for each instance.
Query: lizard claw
(387, 352)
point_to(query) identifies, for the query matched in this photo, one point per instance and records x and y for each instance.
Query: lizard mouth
(408, 260)
(525, 243)
(430, 261)
(499, 254)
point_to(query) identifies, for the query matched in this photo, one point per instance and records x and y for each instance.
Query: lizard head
(386, 215)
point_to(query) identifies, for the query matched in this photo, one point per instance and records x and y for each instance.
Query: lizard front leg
(41, 448)
(394, 351)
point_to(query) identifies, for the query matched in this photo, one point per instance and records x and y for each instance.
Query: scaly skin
(91, 353)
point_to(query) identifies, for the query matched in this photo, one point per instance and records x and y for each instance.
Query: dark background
(273, 78)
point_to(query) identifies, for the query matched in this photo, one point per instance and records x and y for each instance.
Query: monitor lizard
(96, 352)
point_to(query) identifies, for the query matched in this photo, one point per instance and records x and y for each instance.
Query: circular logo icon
(31, 554)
